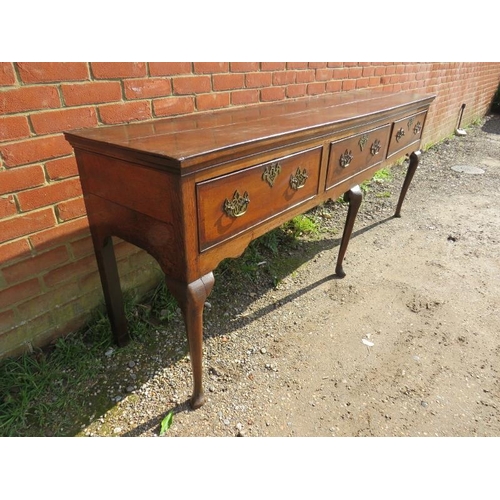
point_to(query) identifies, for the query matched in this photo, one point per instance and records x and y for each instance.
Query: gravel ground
(407, 344)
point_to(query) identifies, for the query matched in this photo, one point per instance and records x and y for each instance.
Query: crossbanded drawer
(405, 132)
(233, 203)
(356, 153)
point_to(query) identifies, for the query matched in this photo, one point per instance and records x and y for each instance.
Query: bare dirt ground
(407, 344)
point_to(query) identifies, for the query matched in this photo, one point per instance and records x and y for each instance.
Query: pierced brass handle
(346, 158)
(271, 172)
(417, 128)
(400, 134)
(375, 149)
(238, 205)
(298, 180)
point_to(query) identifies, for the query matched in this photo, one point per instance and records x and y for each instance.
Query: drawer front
(238, 201)
(405, 132)
(356, 153)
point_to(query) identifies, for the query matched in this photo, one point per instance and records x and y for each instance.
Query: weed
(302, 225)
(379, 177)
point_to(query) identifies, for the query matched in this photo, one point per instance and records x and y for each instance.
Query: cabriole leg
(412, 167)
(354, 197)
(191, 299)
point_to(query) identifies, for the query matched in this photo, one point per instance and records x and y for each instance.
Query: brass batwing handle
(238, 205)
(271, 172)
(298, 180)
(375, 148)
(400, 134)
(346, 158)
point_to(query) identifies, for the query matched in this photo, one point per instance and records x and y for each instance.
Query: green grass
(44, 393)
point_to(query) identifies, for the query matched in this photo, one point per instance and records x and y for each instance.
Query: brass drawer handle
(237, 206)
(417, 128)
(346, 158)
(271, 172)
(298, 180)
(375, 149)
(400, 134)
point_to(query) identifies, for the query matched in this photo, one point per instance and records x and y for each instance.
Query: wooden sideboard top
(180, 143)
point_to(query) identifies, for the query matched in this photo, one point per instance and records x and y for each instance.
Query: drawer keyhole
(237, 206)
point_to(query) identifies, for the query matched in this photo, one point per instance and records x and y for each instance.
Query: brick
(70, 209)
(339, 74)
(61, 168)
(34, 150)
(212, 101)
(229, 81)
(355, 72)
(38, 72)
(348, 85)
(305, 76)
(26, 224)
(169, 68)
(60, 234)
(125, 112)
(334, 86)
(7, 75)
(316, 88)
(77, 94)
(22, 337)
(64, 119)
(82, 247)
(284, 77)
(211, 67)
(244, 66)
(105, 70)
(317, 65)
(21, 99)
(14, 250)
(272, 66)
(7, 320)
(147, 87)
(49, 300)
(324, 74)
(13, 127)
(272, 94)
(35, 265)
(297, 90)
(362, 82)
(296, 65)
(49, 194)
(18, 293)
(72, 270)
(243, 97)
(368, 71)
(258, 79)
(173, 106)
(335, 64)
(191, 84)
(7, 206)
(21, 178)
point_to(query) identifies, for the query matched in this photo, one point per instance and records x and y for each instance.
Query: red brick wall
(48, 275)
